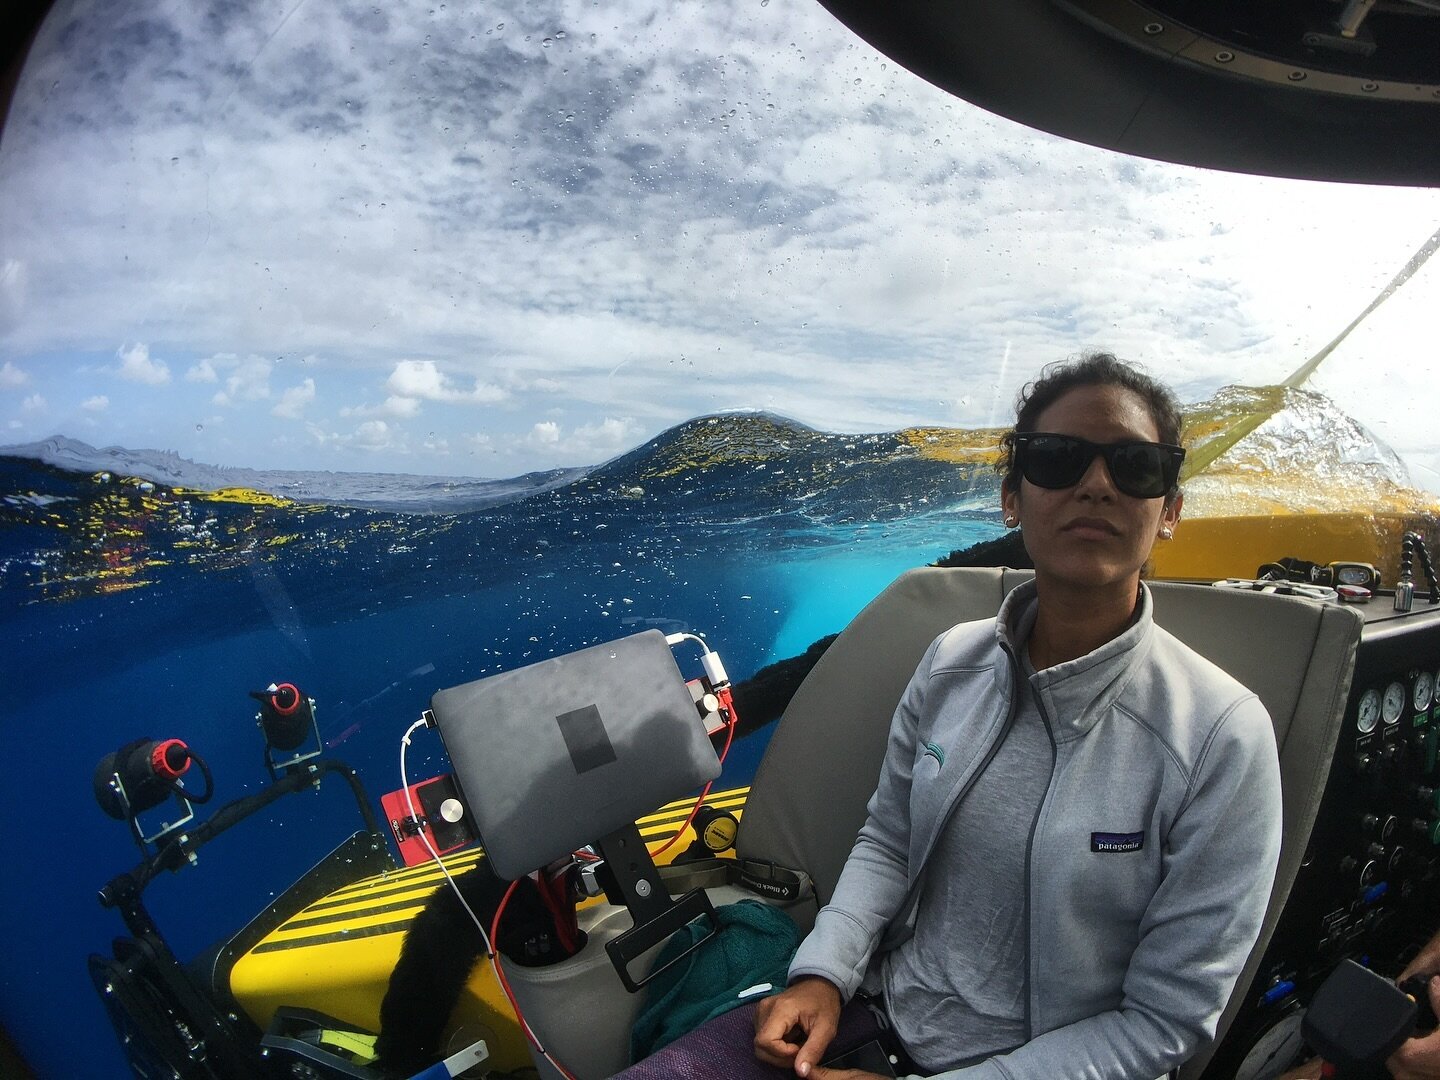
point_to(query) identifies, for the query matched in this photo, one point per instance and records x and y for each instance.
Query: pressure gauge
(1394, 703)
(1423, 692)
(1369, 711)
(1275, 1050)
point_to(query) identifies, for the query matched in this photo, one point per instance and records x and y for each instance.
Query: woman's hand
(819, 1072)
(793, 1028)
(1419, 1059)
(1426, 962)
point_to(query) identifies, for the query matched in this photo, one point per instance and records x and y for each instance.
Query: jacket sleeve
(876, 878)
(1197, 932)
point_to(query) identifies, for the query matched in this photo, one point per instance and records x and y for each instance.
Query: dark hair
(1091, 369)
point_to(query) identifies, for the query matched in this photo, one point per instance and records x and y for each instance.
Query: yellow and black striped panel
(336, 955)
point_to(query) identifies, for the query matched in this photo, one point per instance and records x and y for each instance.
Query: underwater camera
(177, 1019)
(287, 719)
(142, 775)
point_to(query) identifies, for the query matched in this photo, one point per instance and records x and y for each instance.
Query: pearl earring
(1166, 533)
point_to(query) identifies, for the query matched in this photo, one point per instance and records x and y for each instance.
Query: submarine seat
(809, 795)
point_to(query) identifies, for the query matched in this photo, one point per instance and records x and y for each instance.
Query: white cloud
(417, 378)
(202, 372)
(249, 381)
(98, 403)
(293, 401)
(545, 433)
(137, 366)
(401, 406)
(398, 407)
(605, 439)
(423, 380)
(12, 376)
(33, 403)
(373, 435)
(587, 444)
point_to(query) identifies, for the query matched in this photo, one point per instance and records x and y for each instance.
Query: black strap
(761, 876)
(775, 882)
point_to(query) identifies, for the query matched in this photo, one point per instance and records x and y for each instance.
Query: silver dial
(1394, 703)
(1423, 692)
(1369, 711)
(1275, 1050)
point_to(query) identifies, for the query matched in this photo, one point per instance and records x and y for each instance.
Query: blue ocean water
(133, 609)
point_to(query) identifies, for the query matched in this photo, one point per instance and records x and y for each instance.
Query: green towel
(754, 944)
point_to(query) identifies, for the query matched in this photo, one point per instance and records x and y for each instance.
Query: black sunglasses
(1142, 470)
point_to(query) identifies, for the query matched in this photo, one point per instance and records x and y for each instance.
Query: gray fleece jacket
(1151, 858)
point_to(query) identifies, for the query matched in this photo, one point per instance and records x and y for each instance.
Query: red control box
(443, 817)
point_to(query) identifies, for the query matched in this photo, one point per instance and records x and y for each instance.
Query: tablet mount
(634, 882)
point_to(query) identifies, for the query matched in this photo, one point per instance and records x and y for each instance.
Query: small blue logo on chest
(1112, 842)
(936, 751)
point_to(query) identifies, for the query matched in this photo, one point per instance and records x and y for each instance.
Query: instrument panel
(1368, 888)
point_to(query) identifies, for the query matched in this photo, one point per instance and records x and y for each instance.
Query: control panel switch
(1279, 992)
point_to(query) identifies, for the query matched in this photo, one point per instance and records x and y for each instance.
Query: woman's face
(1091, 536)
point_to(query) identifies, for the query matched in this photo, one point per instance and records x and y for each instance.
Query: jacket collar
(1076, 693)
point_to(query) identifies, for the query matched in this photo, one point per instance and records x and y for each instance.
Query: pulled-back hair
(1091, 369)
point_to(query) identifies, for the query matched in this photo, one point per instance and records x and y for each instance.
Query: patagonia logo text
(1109, 842)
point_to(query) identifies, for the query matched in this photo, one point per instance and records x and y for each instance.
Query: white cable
(714, 669)
(485, 937)
(675, 639)
(425, 839)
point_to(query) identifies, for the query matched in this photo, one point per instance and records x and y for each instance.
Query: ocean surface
(139, 601)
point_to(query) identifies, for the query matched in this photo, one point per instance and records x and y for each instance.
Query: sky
(481, 239)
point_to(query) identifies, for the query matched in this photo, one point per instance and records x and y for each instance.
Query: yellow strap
(357, 1044)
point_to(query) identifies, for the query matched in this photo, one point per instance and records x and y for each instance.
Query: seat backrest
(808, 799)
(807, 802)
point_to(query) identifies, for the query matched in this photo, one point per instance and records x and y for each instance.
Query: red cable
(505, 983)
(729, 737)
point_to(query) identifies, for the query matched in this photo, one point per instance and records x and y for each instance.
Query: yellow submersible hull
(336, 955)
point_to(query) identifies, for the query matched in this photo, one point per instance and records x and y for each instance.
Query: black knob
(1375, 851)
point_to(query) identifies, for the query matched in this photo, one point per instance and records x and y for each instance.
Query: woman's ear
(1010, 506)
(1170, 516)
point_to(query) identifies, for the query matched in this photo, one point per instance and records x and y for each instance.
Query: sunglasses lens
(1053, 461)
(1138, 470)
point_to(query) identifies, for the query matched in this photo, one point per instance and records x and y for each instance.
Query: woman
(1069, 853)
